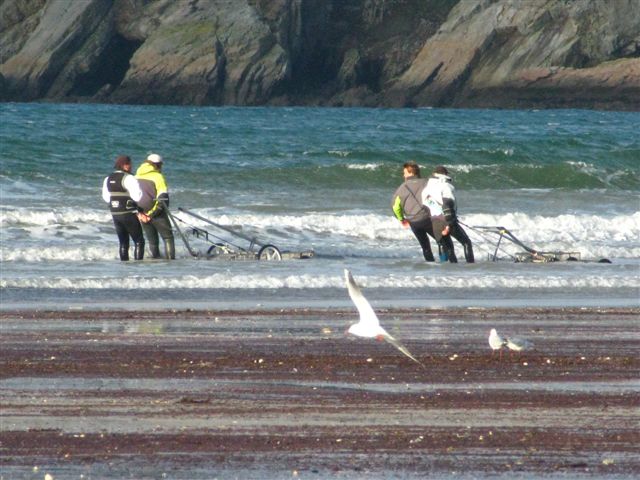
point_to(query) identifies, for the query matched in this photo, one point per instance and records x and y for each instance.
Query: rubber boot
(447, 252)
(124, 253)
(139, 251)
(154, 249)
(169, 249)
(427, 253)
(468, 253)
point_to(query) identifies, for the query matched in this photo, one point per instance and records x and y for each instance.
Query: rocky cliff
(461, 53)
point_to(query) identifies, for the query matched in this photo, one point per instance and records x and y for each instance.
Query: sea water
(320, 179)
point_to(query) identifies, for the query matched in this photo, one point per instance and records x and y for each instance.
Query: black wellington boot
(169, 249)
(139, 251)
(154, 250)
(468, 253)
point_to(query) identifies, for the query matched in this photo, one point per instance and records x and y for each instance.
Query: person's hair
(413, 168)
(441, 170)
(121, 161)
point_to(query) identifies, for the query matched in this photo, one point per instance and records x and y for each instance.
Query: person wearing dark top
(121, 191)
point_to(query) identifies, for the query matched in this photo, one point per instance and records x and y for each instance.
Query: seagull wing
(402, 348)
(518, 344)
(367, 316)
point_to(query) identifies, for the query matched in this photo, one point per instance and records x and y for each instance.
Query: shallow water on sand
(285, 394)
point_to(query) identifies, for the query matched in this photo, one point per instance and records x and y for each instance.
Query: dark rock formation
(514, 53)
(485, 53)
(61, 41)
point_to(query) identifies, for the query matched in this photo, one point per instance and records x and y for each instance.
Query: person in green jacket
(408, 208)
(154, 204)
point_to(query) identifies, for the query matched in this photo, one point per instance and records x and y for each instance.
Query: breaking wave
(35, 236)
(239, 281)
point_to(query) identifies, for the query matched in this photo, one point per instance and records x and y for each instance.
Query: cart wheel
(269, 252)
(214, 251)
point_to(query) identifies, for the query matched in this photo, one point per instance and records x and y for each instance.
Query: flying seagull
(369, 325)
(496, 342)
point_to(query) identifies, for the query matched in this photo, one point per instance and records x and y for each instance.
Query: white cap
(154, 158)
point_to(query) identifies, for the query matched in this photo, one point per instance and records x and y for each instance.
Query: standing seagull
(517, 344)
(369, 325)
(496, 342)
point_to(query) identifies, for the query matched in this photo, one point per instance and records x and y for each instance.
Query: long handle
(175, 225)
(222, 227)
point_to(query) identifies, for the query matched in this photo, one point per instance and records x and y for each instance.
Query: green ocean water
(489, 149)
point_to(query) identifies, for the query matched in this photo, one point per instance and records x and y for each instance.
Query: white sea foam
(309, 281)
(584, 167)
(506, 151)
(339, 153)
(591, 235)
(467, 168)
(36, 236)
(66, 216)
(60, 253)
(366, 166)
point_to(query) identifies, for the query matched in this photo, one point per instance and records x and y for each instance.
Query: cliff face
(497, 53)
(542, 52)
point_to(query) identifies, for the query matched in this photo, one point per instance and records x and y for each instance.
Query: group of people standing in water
(428, 207)
(139, 204)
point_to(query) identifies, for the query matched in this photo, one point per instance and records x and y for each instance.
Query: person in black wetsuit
(121, 191)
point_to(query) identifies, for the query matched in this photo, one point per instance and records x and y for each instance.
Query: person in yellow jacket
(154, 203)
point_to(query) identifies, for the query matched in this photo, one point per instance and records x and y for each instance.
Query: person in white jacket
(439, 197)
(121, 191)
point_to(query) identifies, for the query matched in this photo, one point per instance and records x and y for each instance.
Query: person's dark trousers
(460, 235)
(160, 226)
(445, 244)
(422, 230)
(127, 225)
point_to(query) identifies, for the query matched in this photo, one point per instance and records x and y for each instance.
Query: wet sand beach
(286, 394)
